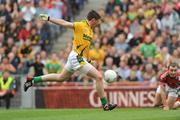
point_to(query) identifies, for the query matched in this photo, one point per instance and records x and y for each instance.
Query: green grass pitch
(89, 114)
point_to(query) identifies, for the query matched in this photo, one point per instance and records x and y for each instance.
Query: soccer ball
(110, 76)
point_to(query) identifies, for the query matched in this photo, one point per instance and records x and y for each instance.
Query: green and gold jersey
(83, 35)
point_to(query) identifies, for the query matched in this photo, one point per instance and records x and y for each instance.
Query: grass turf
(89, 114)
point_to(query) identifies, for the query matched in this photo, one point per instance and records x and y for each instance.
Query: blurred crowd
(25, 41)
(137, 39)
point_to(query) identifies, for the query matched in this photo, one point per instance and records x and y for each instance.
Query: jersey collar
(87, 23)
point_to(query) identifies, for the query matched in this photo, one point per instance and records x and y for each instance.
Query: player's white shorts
(170, 91)
(75, 63)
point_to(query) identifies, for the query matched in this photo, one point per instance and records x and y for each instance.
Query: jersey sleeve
(162, 77)
(77, 26)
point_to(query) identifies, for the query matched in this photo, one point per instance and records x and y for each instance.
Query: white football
(110, 76)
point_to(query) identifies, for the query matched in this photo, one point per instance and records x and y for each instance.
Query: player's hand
(44, 17)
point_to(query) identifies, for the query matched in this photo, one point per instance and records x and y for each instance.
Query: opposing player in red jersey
(169, 88)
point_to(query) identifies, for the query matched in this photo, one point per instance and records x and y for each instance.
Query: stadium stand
(137, 39)
(23, 36)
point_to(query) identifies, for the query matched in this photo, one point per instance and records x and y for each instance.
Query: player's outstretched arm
(61, 22)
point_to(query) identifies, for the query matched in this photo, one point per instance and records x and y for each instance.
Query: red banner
(81, 97)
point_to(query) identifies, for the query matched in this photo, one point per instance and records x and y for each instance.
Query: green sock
(37, 79)
(103, 101)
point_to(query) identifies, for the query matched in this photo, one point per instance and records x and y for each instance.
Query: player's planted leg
(100, 89)
(109, 106)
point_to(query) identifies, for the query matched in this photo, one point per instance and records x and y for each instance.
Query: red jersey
(172, 82)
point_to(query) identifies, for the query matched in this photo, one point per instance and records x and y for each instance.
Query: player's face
(95, 22)
(172, 71)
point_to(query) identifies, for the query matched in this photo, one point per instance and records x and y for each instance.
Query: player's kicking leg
(64, 75)
(95, 74)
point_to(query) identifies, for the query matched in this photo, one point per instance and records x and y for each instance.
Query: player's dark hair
(93, 14)
(173, 65)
